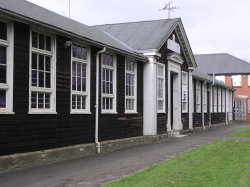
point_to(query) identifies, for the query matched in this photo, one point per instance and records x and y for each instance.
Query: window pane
(83, 70)
(2, 99)
(34, 61)
(84, 84)
(78, 102)
(48, 82)
(79, 70)
(74, 83)
(40, 100)
(34, 40)
(41, 62)
(3, 31)
(73, 102)
(34, 78)
(47, 63)
(47, 101)
(78, 52)
(2, 74)
(48, 43)
(41, 79)
(160, 105)
(79, 84)
(2, 55)
(33, 100)
(84, 53)
(74, 69)
(83, 102)
(41, 41)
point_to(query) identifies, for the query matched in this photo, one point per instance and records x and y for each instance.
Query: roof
(147, 35)
(137, 34)
(31, 12)
(221, 64)
(205, 77)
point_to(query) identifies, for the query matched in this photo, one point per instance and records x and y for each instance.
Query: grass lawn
(219, 164)
(242, 134)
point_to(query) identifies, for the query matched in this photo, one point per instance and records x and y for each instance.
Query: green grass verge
(242, 134)
(225, 163)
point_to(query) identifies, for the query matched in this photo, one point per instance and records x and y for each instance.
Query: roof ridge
(134, 22)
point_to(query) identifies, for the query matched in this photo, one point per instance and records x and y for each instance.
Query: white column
(150, 96)
(169, 102)
(191, 98)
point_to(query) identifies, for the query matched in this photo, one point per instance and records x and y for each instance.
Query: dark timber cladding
(23, 132)
(216, 117)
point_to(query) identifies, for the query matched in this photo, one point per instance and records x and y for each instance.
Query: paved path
(99, 169)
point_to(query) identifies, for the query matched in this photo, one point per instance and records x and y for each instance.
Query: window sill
(128, 112)
(6, 113)
(80, 112)
(106, 112)
(184, 112)
(41, 112)
(161, 112)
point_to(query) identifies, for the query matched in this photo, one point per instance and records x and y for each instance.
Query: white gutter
(98, 146)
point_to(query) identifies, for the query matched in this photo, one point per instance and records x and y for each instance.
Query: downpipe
(98, 145)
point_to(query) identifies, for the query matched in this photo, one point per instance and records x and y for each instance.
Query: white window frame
(204, 98)
(88, 70)
(198, 93)
(248, 80)
(114, 95)
(163, 99)
(219, 99)
(215, 99)
(135, 87)
(8, 87)
(248, 105)
(237, 79)
(52, 90)
(184, 88)
(223, 100)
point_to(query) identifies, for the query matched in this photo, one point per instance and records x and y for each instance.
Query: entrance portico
(174, 92)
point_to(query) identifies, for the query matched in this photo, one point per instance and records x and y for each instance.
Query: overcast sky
(212, 26)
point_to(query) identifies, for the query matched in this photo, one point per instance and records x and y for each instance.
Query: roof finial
(169, 8)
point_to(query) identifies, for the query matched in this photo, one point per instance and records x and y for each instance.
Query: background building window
(221, 78)
(236, 80)
(130, 86)
(198, 96)
(205, 98)
(184, 92)
(42, 68)
(108, 83)
(80, 89)
(161, 88)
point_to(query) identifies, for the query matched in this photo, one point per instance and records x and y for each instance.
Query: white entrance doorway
(174, 93)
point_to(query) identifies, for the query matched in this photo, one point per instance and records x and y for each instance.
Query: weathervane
(69, 8)
(169, 8)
